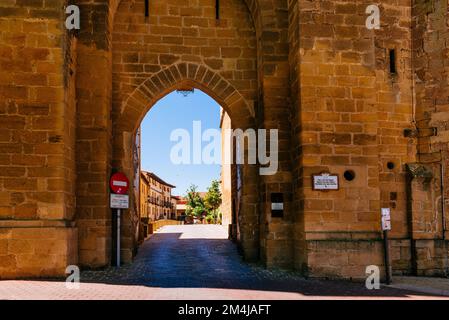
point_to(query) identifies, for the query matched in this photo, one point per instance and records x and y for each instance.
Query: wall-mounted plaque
(325, 181)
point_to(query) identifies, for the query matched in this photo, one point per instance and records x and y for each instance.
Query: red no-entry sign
(119, 183)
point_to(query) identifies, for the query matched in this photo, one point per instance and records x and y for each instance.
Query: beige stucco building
(228, 182)
(156, 201)
(174, 207)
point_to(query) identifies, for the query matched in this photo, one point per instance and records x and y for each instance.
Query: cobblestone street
(195, 262)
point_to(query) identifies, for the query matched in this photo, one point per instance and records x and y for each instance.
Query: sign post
(118, 237)
(119, 184)
(386, 226)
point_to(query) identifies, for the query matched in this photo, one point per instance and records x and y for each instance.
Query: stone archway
(127, 120)
(268, 93)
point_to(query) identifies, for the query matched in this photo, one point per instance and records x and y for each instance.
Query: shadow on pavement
(167, 260)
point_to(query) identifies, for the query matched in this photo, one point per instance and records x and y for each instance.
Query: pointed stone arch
(178, 76)
(127, 117)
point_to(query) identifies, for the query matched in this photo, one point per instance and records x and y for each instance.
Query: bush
(210, 219)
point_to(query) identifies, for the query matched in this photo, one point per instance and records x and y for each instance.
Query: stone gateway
(367, 102)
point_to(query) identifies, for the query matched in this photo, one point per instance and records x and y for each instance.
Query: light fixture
(185, 91)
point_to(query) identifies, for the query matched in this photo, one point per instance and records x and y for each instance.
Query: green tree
(213, 200)
(195, 204)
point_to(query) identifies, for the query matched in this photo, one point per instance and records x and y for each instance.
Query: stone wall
(36, 251)
(353, 113)
(37, 134)
(275, 112)
(94, 132)
(430, 191)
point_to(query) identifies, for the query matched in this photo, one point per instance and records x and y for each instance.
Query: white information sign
(325, 181)
(386, 219)
(119, 201)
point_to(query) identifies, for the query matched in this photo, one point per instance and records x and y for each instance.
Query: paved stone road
(194, 262)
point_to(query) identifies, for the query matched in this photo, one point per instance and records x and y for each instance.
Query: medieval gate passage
(174, 47)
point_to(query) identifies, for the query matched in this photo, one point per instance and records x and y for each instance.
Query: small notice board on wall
(386, 219)
(325, 181)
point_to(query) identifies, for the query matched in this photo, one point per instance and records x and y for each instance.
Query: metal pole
(387, 258)
(443, 201)
(118, 237)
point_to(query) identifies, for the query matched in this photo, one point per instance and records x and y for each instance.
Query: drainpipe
(421, 171)
(387, 258)
(409, 205)
(443, 209)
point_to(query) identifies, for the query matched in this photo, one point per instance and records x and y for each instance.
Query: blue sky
(172, 112)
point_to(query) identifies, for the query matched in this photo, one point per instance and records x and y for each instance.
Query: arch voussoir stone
(200, 73)
(182, 68)
(146, 91)
(140, 96)
(149, 85)
(163, 79)
(177, 76)
(191, 70)
(171, 80)
(229, 91)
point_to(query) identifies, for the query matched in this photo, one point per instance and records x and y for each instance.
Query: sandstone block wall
(43, 251)
(354, 110)
(430, 190)
(37, 134)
